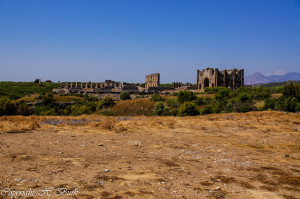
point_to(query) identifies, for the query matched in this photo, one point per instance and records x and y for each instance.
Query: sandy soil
(251, 155)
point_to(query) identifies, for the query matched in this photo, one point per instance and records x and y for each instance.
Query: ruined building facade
(211, 77)
(152, 80)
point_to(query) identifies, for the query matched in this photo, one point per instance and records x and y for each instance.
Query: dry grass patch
(19, 124)
(134, 107)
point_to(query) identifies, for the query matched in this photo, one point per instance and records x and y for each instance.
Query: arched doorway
(206, 82)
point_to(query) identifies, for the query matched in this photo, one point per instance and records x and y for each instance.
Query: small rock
(217, 188)
(287, 155)
(218, 180)
(100, 183)
(100, 144)
(137, 143)
(107, 170)
(295, 128)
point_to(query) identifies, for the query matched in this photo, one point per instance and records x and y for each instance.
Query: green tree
(188, 109)
(186, 96)
(106, 102)
(291, 90)
(157, 98)
(125, 96)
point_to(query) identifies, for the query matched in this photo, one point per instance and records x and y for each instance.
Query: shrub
(173, 112)
(106, 103)
(258, 93)
(243, 97)
(51, 111)
(6, 106)
(262, 93)
(90, 98)
(207, 110)
(107, 112)
(158, 108)
(199, 101)
(133, 107)
(291, 90)
(222, 94)
(40, 109)
(270, 104)
(172, 103)
(48, 99)
(188, 109)
(79, 109)
(23, 108)
(213, 90)
(175, 94)
(161, 109)
(125, 96)
(243, 107)
(186, 96)
(157, 98)
(290, 104)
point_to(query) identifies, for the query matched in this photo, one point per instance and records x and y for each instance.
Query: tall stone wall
(152, 80)
(211, 77)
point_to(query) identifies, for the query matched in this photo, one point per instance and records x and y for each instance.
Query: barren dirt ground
(251, 155)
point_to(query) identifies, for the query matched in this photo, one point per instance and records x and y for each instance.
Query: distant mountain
(258, 78)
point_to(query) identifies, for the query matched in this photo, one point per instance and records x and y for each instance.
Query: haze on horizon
(122, 40)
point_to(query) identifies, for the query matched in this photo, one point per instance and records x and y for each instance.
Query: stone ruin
(152, 84)
(182, 86)
(152, 80)
(210, 77)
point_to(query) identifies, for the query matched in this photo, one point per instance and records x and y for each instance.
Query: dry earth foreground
(247, 155)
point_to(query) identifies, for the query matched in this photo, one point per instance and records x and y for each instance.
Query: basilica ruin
(211, 77)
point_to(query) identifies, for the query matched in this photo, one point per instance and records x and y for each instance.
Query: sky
(124, 40)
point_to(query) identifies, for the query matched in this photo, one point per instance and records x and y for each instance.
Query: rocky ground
(251, 155)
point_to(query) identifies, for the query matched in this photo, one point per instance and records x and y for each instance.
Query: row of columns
(92, 85)
(179, 84)
(85, 85)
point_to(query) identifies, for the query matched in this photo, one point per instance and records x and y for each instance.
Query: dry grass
(19, 124)
(236, 155)
(135, 107)
(31, 98)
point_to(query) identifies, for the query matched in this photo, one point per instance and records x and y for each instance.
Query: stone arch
(200, 86)
(206, 82)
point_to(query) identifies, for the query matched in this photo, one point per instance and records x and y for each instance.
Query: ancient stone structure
(152, 80)
(37, 81)
(179, 84)
(211, 77)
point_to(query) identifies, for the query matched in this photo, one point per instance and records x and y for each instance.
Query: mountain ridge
(259, 78)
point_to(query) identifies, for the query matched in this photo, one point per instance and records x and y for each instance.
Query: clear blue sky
(123, 40)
